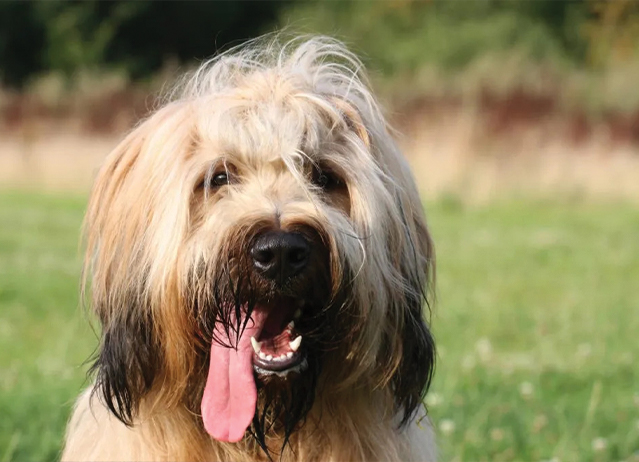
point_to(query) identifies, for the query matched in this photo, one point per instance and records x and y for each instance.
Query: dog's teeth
(283, 357)
(291, 325)
(295, 344)
(269, 357)
(256, 345)
(289, 354)
(298, 314)
(261, 355)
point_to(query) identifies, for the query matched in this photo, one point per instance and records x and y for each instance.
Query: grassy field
(537, 322)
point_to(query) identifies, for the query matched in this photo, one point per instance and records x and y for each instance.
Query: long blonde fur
(273, 109)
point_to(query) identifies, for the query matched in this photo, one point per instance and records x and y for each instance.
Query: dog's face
(256, 244)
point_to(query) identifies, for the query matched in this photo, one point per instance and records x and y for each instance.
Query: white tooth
(297, 314)
(261, 355)
(269, 357)
(295, 344)
(256, 345)
(291, 325)
(289, 354)
(282, 358)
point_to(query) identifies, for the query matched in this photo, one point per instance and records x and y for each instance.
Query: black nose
(280, 255)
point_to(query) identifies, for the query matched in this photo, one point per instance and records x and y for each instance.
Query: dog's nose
(280, 255)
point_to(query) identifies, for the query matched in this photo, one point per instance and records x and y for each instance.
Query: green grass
(44, 336)
(536, 322)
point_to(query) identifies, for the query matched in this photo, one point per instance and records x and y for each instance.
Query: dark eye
(219, 179)
(216, 180)
(326, 179)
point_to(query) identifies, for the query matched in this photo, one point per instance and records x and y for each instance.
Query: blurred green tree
(403, 35)
(400, 36)
(134, 36)
(22, 39)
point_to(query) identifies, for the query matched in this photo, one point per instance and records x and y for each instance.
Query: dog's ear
(413, 344)
(412, 378)
(127, 361)
(125, 211)
(407, 353)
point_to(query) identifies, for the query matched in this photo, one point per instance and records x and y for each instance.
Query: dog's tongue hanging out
(230, 394)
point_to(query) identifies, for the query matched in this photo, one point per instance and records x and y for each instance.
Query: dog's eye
(326, 179)
(220, 179)
(217, 180)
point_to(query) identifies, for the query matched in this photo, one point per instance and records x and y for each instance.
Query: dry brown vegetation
(474, 149)
(484, 151)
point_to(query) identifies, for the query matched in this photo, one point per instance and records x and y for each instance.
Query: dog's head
(257, 242)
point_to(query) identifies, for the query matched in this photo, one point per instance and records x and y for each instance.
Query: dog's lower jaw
(331, 434)
(298, 368)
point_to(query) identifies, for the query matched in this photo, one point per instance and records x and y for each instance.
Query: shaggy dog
(258, 260)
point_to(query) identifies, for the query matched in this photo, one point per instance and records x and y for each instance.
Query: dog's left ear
(407, 354)
(412, 378)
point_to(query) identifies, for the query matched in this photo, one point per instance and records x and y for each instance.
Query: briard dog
(258, 259)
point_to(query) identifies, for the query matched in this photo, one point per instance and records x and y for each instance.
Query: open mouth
(278, 347)
(269, 344)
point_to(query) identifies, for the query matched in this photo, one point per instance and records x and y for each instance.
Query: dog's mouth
(267, 344)
(278, 349)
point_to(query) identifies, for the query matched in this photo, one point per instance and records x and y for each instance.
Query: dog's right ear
(127, 361)
(122, 259)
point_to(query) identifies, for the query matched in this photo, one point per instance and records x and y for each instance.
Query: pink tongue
(230, 395)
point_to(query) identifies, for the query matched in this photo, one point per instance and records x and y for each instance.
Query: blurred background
(521, 122)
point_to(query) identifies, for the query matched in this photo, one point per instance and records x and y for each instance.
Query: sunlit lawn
(537, 322)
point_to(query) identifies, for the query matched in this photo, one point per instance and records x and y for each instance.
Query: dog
(258, 259)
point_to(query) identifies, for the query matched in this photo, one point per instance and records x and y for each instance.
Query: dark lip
(279, 366)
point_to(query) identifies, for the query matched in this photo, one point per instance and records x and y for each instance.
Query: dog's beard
(284, 402)
(225, 306)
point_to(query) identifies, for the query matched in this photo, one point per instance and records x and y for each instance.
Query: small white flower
(599, 444)
(497, 434)
(484, 348)
(526, 389)
(433, 399)
(468, 362)
(584, 350)
(447, 426)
